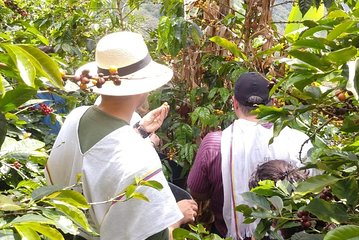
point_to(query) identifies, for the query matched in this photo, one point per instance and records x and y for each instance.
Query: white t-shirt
(249, 142)
(106, 170)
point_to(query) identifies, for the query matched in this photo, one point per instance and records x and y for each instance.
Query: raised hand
(154, 119)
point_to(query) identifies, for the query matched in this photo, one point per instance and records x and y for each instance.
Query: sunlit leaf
(27, 233)
(327, 211)
(45, 191)
(350, 232)
(230, 46)
(23, 63)
(315, 184)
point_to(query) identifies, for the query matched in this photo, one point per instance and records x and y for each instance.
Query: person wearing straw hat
(98, 144)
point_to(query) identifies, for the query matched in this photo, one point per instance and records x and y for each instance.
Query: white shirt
(106, 170)
(250, 148)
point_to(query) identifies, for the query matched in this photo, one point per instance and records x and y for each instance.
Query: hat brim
(149, 78)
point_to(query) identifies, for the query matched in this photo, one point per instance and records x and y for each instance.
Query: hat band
(134, 67)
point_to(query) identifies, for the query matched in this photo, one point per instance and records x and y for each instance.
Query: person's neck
(251, 118)
(118, 109)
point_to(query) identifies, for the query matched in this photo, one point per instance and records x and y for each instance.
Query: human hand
(154, 119)
(155, 140)
(189, 210)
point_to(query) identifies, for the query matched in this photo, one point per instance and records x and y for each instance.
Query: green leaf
(310, 59)
(153, 184)
(339, 29)
(327, 211)
(350, 124)
(45, 65)
(181, 233)
(306, 236)
(73, 213)
(23, 63)
(347, 189)
(328, 3)
(50, 232)
(74, 198)
(3, 128)
(140, 196)
(304, 5)
(60, 221)
(7, 204)
(230, 46)
(130, 190)
(309, 43)
(245, 209)
(256, 200)
(315, 184)
(16, 97)
(2, 88)
(341, 56)
(27, 233)
(348, 232)
(45, 191)
(32, 218)
(277, 202)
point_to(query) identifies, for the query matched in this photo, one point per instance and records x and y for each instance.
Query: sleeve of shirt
(198, 179)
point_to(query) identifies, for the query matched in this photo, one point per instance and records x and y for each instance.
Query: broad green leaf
(347, 189)
(338, 14)
(50, 232)
(7, 204)
(60, 221)
(315, 184)
(73, 213)
(16, 97)
(327, 211)
(310, 59)
(351, 124)
(181, 233)
(8, 234)
(152, 184)
(245, 209)
(328, 3)
(3, 128)
(306, 236)
(341, 56)
(34, 31)
(45, 65)
(41, 192)
(304, 5)
(309, 43)
(293, 29)
(27, 233)
(230, 46)
(339, 29)
(23, 63)
(348, 232)
(277, 202)
(32, 218)
(74, 198)
(254, 199)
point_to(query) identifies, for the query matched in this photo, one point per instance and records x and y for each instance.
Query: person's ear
(235, 103)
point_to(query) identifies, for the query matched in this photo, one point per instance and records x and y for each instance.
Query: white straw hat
(127, 52)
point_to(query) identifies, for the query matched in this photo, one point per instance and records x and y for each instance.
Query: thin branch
(312, 136)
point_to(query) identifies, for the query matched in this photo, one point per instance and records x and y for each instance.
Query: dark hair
(277, 170)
